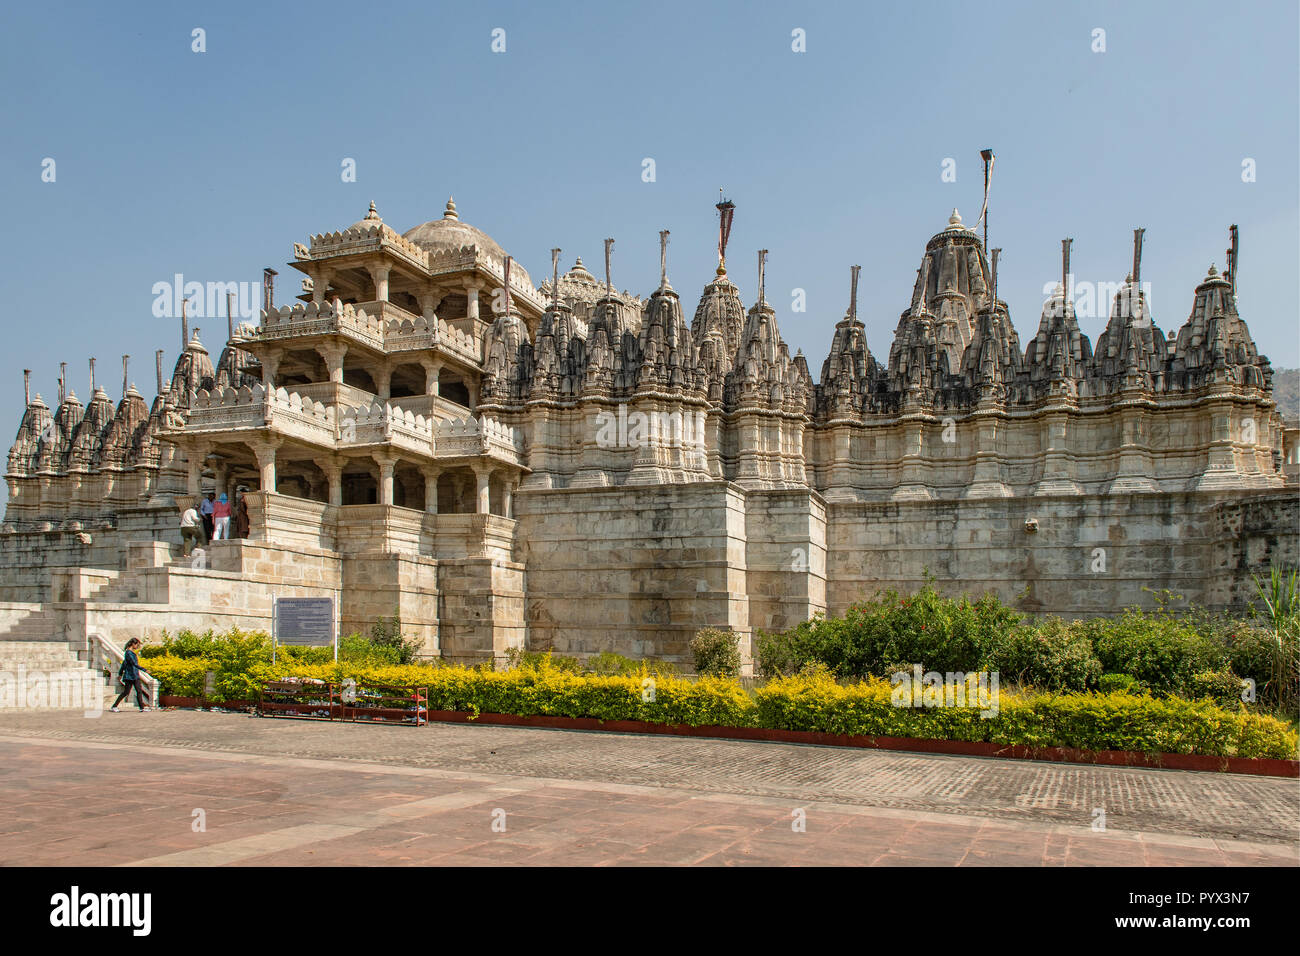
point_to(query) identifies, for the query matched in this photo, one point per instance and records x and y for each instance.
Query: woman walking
(129, 675)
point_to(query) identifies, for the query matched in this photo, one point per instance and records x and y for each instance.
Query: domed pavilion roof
(449, 234)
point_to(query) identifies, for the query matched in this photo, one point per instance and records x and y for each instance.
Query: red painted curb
(1258, 766)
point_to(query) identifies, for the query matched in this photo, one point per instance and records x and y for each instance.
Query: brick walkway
(124, 788)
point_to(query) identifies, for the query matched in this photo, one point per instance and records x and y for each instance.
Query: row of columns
(380, 273)
(265, 452)
(332, 353)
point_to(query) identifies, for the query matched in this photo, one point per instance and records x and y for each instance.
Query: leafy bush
(786, 652)
(1054, 655)
(1222, 686)
(877, 637)
(1116, 683)
(386, 633)
(607, 662)
(1162, 650)
(517, 657)
(184, 643)
(716, 652)
(366, 650)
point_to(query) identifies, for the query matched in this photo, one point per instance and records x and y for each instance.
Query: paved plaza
(190, 788)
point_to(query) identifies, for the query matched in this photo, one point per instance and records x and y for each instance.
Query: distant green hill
(1286, 391)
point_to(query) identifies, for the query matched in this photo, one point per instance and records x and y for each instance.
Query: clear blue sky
(212, 164)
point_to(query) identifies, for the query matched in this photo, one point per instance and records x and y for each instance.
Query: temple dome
(956, 232)
(371, 219)
(449, 234)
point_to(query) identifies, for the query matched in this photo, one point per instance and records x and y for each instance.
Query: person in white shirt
(191, 530)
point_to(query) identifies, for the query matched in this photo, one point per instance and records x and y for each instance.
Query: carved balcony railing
(472, 438)
(240, 409)
(313, 318)
(382, 424)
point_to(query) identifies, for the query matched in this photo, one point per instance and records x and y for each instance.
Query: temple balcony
(337, 394)
(365, 241)
(388, 426)
(468, 439)
(380, 326)
(430, 406)
(407, 332)
(360, 422)
(312, 319)
(285, 413)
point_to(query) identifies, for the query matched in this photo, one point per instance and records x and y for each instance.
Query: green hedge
(1088, 721)
(1164, 652)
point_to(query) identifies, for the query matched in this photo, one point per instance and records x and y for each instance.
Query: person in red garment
(221, 519)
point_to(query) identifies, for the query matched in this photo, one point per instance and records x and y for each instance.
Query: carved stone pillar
(265, 450)
(333, 354)
(194, 461)
(379, 275)
(508, 498)
(384, 382)
(431, 474)
(429, 302)
(320, 278)
(271, 366)
(334, 478)
(432, 369)
(222, 472)
(484, 501)
(386, 465)
(471, 295)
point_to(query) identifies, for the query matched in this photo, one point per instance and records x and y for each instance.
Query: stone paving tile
(1233, 806)
(78, 798)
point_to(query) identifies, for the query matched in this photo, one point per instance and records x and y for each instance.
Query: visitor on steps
(241, 513)
(206, 507)
(191, 530)
(129, 674)
(221, 519)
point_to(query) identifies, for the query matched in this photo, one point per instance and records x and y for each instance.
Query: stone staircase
(38, 625)
(32, 645)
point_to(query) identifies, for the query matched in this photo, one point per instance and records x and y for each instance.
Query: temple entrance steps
(48, 661)
(42, 655)
(37, 675)
(25, 623)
